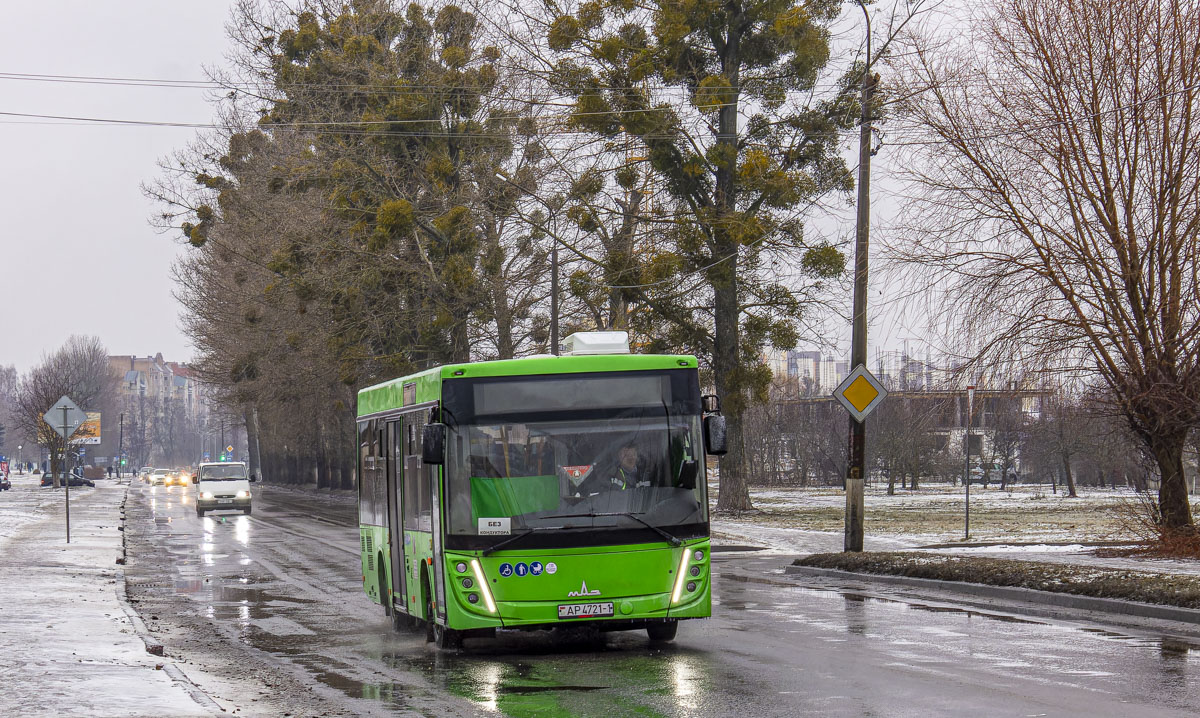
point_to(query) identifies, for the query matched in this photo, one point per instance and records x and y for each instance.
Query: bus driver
(625, 475)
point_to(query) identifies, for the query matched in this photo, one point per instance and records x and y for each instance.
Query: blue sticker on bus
(506, 569)
(522, 569)
(535, 568)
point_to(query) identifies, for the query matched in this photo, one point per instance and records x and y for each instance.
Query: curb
(1013, 593)
(153, 647)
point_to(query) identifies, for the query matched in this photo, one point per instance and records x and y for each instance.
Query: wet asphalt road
(284, 585)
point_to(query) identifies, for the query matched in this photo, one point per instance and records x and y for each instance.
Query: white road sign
(75, 416)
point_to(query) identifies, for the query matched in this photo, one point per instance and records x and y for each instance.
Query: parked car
(5, 484)
(48, 480)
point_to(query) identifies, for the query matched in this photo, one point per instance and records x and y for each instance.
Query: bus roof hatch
(581, 343)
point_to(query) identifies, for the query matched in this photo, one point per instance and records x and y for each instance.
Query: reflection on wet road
(286, 581)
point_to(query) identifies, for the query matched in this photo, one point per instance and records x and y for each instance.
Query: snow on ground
(1025, 522)
(66, 644)
(19, 507)
(789, 541)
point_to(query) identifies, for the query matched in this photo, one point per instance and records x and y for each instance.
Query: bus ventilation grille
(370, 547)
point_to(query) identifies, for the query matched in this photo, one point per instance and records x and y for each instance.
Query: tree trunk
(1174, 509)
(735, 495)
(1068, 477)
(253, 458)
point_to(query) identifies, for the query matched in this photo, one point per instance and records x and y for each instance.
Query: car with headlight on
(158, 477)
(177, 477)
(223, 486)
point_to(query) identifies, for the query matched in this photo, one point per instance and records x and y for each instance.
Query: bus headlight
(679, 576)
(483, 585)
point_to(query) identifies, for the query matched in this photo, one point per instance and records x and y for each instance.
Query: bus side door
(395, 514)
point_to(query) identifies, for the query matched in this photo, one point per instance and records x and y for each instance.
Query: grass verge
(1147, 587)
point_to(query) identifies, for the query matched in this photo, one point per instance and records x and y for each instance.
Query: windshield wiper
(674, 540)
(496, 547)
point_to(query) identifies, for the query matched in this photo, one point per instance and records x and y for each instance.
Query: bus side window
(418, 515)
(364, 454)
(380, 475)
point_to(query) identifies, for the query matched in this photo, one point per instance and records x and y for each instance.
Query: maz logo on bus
(583, 591)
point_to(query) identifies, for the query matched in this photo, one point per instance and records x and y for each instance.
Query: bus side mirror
(195, 479)
(714, 435)
(433, 444)
(710, 404)
(688, 470)
(253, 477)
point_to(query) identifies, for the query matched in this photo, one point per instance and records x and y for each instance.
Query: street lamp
(20, 464)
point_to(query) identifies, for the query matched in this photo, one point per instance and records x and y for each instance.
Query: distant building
(160, 413)
(814, 374)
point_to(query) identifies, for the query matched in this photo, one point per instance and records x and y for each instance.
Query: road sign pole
(967, 466)
(66, 433)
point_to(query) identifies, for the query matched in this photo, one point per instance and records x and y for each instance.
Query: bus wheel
(430, 623)
(403, 622)
(664, 631)
(446, 638)
(383, 594)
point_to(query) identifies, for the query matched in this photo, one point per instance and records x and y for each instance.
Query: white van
(222, 486)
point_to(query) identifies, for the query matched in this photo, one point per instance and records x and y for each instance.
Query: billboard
(89, 431)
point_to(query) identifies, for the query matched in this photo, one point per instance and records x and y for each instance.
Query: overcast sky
(77, 254)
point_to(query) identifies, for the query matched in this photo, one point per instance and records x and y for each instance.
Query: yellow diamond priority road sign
(860, 393)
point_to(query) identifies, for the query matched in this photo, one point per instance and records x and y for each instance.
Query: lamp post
(20, 463)
(967, 466)
(121, 446)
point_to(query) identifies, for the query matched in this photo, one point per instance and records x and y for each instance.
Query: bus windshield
(598, 453)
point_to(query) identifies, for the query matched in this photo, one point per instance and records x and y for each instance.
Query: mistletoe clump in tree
(753, 146)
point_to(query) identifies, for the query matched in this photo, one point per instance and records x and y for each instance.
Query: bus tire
(446, 638)
(403, 622)
(430, 619)
(383, 592)
(664, 631)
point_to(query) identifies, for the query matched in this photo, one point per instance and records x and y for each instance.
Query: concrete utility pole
(856, 463)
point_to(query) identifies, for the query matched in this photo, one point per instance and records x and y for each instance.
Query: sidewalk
(67, 645)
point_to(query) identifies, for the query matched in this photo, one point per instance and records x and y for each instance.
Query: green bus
(539, 492)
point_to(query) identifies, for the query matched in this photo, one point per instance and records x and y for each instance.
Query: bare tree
(1058, 153)
(80, 370)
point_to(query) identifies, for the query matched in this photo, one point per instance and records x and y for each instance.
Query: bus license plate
(584, 610)
(224, 501)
